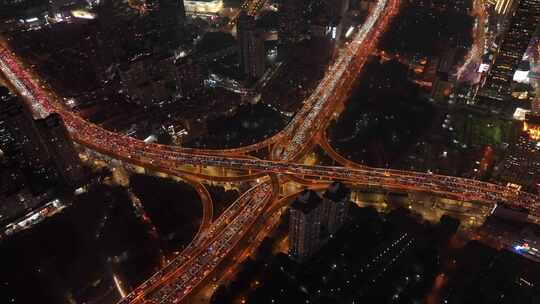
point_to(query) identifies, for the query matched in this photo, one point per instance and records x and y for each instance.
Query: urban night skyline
(269, 151)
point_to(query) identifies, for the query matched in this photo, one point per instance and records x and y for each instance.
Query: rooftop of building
(337, 192)
(53, 120)
(307, 201)
(512, 207)
(512, 226)
(532, 118)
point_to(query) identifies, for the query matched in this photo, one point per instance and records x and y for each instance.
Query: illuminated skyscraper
(251, 47)
(521, 165)
(522, 26)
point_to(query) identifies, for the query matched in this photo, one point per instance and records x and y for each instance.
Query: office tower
(305, 219)
(11, 178)
(338, 8)
(292, 25)
(190, 78)
(521, 165)
(251, 46)
(521, 28)
(166, 18)
(20, 137)
(531, 125)
(444, 80)
(173, 12)
(65, 157)
(336, 206)
(326, 31)
(108, 42)
(509, 212)
(40, 148)
(170, 13)
(6, 138)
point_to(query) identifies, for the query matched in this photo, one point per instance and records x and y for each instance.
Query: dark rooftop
(337, 192)
(512, 207)
(307, 201)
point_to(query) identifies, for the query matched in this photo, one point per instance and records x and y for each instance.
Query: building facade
(251, 47)
(521, 165)
(20, 137)
(173, 12)
(66, 159)
(336, 204)
(305, 220)
(292, 27)
(40, 148)
(314, 220)
(523, 24)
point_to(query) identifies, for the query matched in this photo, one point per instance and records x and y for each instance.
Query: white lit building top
(203, 6)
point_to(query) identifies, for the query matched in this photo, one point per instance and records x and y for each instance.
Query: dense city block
(269, 151)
